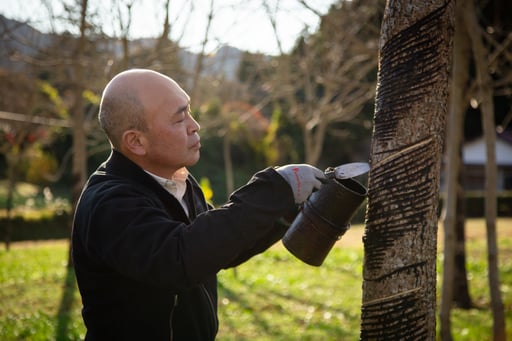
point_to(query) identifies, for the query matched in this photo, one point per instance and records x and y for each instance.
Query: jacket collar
(119, 165)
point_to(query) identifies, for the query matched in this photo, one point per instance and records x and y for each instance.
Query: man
(146, 246)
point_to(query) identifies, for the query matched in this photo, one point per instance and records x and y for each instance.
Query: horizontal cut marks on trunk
(401, 197)
(409, 67)
(394, 318)
(413, 270)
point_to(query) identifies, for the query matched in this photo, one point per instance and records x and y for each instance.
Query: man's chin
(194, 160)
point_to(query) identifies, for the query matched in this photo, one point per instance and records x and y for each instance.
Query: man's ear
(133, 141)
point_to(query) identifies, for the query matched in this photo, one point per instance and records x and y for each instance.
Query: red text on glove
(297, 178)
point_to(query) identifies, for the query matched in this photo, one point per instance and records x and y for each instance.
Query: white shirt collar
(177, 185)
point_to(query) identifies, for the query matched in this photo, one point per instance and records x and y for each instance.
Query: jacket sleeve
(275, 234)
(129, 232)
(243, 227)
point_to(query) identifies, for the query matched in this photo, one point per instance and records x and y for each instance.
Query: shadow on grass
(281, 303)
(64, 314)
(244, 304)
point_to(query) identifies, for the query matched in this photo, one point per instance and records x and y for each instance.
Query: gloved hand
(302, 178)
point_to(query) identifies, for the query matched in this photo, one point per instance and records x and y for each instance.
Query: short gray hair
(119, 113)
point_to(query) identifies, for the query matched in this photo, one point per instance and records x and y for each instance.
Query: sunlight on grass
(274, 296)
(282, 298)
(33, 284)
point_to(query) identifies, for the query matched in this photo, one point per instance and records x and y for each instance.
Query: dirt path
(475, 229)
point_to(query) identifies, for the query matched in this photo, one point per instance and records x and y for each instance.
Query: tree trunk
(458, 106)
(461, 296)
(12, 177)
(485, 90)
(9, 204)
(79, 164)
(164, 37)
(400, 241)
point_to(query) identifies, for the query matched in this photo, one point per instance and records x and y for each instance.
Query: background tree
(79, 164)
(485, 92)
(327, 80)
(400, 241)
(453, 165)
(24, 103)
(15, 136)
(64, 68)
(199, 64)
(124, 18)
(487, 51)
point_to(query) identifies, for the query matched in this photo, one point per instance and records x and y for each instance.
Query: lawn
(272, 297)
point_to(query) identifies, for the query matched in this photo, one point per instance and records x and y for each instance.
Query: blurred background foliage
(311, 104)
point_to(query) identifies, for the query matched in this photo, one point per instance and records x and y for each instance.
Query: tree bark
(400, 241)
(485, 90)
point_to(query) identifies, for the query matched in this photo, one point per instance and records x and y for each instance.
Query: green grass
(276, 297)
(272, 297)
(476, 324)
(38, 295)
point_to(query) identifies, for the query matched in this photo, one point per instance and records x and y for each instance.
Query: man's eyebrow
(182, 108)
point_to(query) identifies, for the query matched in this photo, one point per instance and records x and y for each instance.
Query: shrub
(43, 227)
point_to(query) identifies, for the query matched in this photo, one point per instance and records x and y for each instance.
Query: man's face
(172, 139)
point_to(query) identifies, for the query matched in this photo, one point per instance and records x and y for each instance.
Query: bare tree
(164, 37)
(458, 100)
(485, 92)
(163, 55)
(272, 14)
(326, 80)
(19, 130)
(79, 161)
(198, 69)
(400, 240)
(124, 16)
(461, 295)
(489, 50)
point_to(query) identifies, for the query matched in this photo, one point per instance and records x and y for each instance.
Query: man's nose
(193, 125)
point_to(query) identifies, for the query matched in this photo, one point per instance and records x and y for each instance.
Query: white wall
(474, 153)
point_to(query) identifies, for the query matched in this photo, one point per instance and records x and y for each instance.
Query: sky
(240, 23)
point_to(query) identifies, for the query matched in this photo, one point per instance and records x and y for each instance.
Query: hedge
(56, 226)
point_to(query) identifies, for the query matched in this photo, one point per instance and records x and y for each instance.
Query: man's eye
(180, 118)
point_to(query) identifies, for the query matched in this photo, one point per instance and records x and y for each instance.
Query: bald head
(127, 100)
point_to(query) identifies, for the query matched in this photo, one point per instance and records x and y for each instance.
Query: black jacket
(140, 262)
